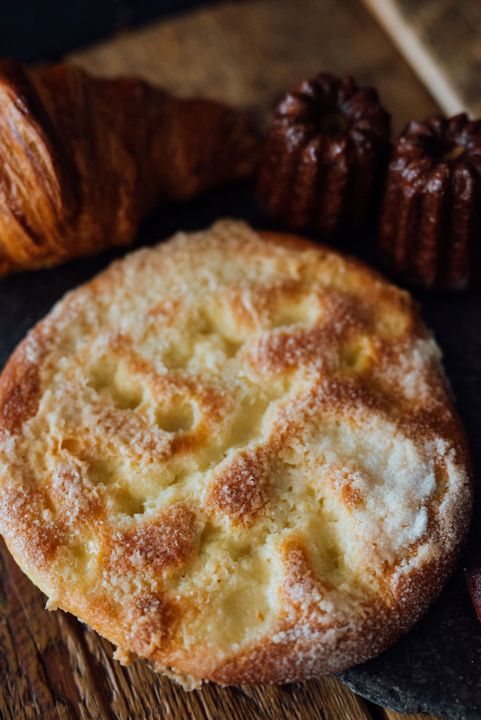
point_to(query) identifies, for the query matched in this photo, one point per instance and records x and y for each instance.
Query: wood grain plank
(45, 673)
(251, 52)
(53, 667)
(440, 39)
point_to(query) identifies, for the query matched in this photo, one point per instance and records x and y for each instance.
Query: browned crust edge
(19, 392)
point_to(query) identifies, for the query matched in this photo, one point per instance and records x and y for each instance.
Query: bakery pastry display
(235, 455)
(431, 215)
(84, 159)
(325, 151)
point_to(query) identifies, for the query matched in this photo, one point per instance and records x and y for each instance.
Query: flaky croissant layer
(85, 159)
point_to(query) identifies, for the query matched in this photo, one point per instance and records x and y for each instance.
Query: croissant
(85, 159)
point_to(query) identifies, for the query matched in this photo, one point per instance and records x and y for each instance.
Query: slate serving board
(435, 667)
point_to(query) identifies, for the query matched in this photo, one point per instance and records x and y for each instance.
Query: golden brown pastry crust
(85, 159)
(234, 455)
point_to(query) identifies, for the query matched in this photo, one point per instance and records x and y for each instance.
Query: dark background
(46, 29)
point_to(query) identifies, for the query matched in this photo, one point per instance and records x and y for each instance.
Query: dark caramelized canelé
(325, 150)
(431, 214)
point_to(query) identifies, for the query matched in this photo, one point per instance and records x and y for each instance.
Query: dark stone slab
(436, 667)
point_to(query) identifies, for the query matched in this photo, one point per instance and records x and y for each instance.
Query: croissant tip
(105, 153)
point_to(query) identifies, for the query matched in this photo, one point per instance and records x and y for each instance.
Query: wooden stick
(406, 30)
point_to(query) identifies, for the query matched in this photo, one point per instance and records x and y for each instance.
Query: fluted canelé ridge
(431, 215)
(325, 149)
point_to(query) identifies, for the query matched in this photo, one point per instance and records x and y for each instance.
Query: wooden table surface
(246, 53)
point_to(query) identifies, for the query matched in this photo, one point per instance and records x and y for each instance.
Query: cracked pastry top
(234, 454)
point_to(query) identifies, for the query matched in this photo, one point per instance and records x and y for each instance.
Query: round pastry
(235, 455)
(431, 214)
(325, 150)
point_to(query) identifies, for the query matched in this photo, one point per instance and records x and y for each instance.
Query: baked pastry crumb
(234, 455)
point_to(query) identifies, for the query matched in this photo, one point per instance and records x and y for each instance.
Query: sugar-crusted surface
(236, 456)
